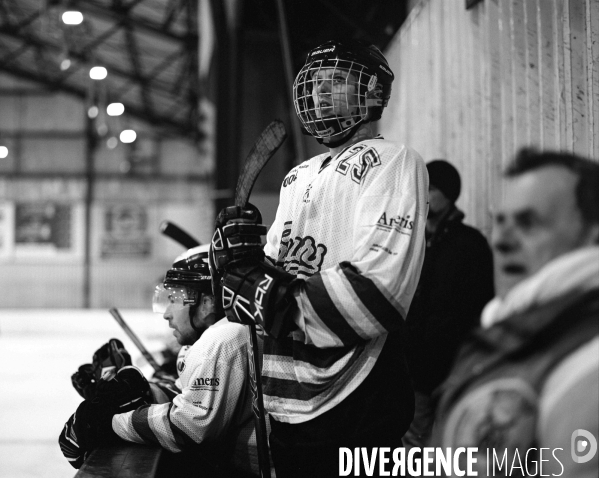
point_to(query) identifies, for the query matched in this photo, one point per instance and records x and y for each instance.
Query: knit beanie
(445, 178)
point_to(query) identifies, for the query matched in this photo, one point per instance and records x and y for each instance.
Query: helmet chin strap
(192, 312)
(344, 139)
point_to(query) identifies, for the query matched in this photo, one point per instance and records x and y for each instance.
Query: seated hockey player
(214, 406)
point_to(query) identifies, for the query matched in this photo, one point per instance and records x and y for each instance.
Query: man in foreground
(526, 386)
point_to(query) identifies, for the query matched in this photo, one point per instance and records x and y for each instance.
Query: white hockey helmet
(373, 78)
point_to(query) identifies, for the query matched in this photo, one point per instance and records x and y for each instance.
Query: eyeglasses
(175, 297)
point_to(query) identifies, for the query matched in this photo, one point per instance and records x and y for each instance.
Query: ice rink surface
(39, 351)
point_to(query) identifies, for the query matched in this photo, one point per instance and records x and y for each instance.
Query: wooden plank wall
(473, 86)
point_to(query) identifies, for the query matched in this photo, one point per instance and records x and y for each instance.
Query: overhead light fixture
(112, 142)
(3, 152)
(92, 112)
(72, 18)
(115, 109)
(128, 136)
(65, 64)
(98, 73)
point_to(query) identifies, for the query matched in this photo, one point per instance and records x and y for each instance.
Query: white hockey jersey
(353, 230)
(215, 403)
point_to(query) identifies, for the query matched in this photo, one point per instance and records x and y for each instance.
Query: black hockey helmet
(368, 66)
(185, 281)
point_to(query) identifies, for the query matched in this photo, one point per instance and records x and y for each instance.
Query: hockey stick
(134, 338)
(264, 148)
(173, 231)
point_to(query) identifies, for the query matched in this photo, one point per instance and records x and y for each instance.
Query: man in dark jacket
(455, 284)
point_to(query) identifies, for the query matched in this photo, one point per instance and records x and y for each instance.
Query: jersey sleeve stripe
(327, 311)
(355, 312)
(158, 419)
(316, 330)
(122, 424)
(370, 295)
(292, 388)
(139, 420)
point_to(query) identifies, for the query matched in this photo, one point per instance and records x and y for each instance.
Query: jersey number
(357, 171)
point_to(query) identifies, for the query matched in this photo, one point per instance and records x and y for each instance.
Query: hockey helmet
(371, 73)
(185, 281)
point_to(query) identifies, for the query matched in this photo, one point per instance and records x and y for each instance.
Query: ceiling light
(115, 109)
(72, 18)
(92, 112)
(65, 64)
(128, 136)
(112, 142)
(98, 73)
(3, 152)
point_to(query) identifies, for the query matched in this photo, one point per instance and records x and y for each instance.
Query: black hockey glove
(123, 391)
(237, 237)
(256, 292)
(91, 425)
(84, 381)
(109, 358)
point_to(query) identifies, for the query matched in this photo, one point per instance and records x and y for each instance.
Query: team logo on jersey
(397, 223)
(180, 366)
(181, 358)
(300, 255)
(357, 162)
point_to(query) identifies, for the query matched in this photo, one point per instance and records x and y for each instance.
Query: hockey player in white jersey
(213, 408)
(341, 264)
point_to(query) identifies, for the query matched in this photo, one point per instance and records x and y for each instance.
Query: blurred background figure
(530, 377)
(455, 284)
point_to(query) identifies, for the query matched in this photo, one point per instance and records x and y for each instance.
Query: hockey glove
(91, 425)
(111, 357)
(84, 381)
(126, 390)
(237, 237)
(72, 443)
(258, 293)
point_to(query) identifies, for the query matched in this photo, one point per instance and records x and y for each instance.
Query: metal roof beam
(83, 57)
(182, 128)
(122, 13)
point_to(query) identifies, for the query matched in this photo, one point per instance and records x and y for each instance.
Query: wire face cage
(330, 96)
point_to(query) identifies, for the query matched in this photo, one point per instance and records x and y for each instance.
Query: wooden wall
(473, 86)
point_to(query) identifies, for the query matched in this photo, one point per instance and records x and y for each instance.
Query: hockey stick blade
(264, 148)
(170, 229)
(134, 338)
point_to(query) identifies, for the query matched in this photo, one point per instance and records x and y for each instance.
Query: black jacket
(455, 284)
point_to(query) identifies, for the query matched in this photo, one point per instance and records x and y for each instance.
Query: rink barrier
(143, 461)
(123, 461)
